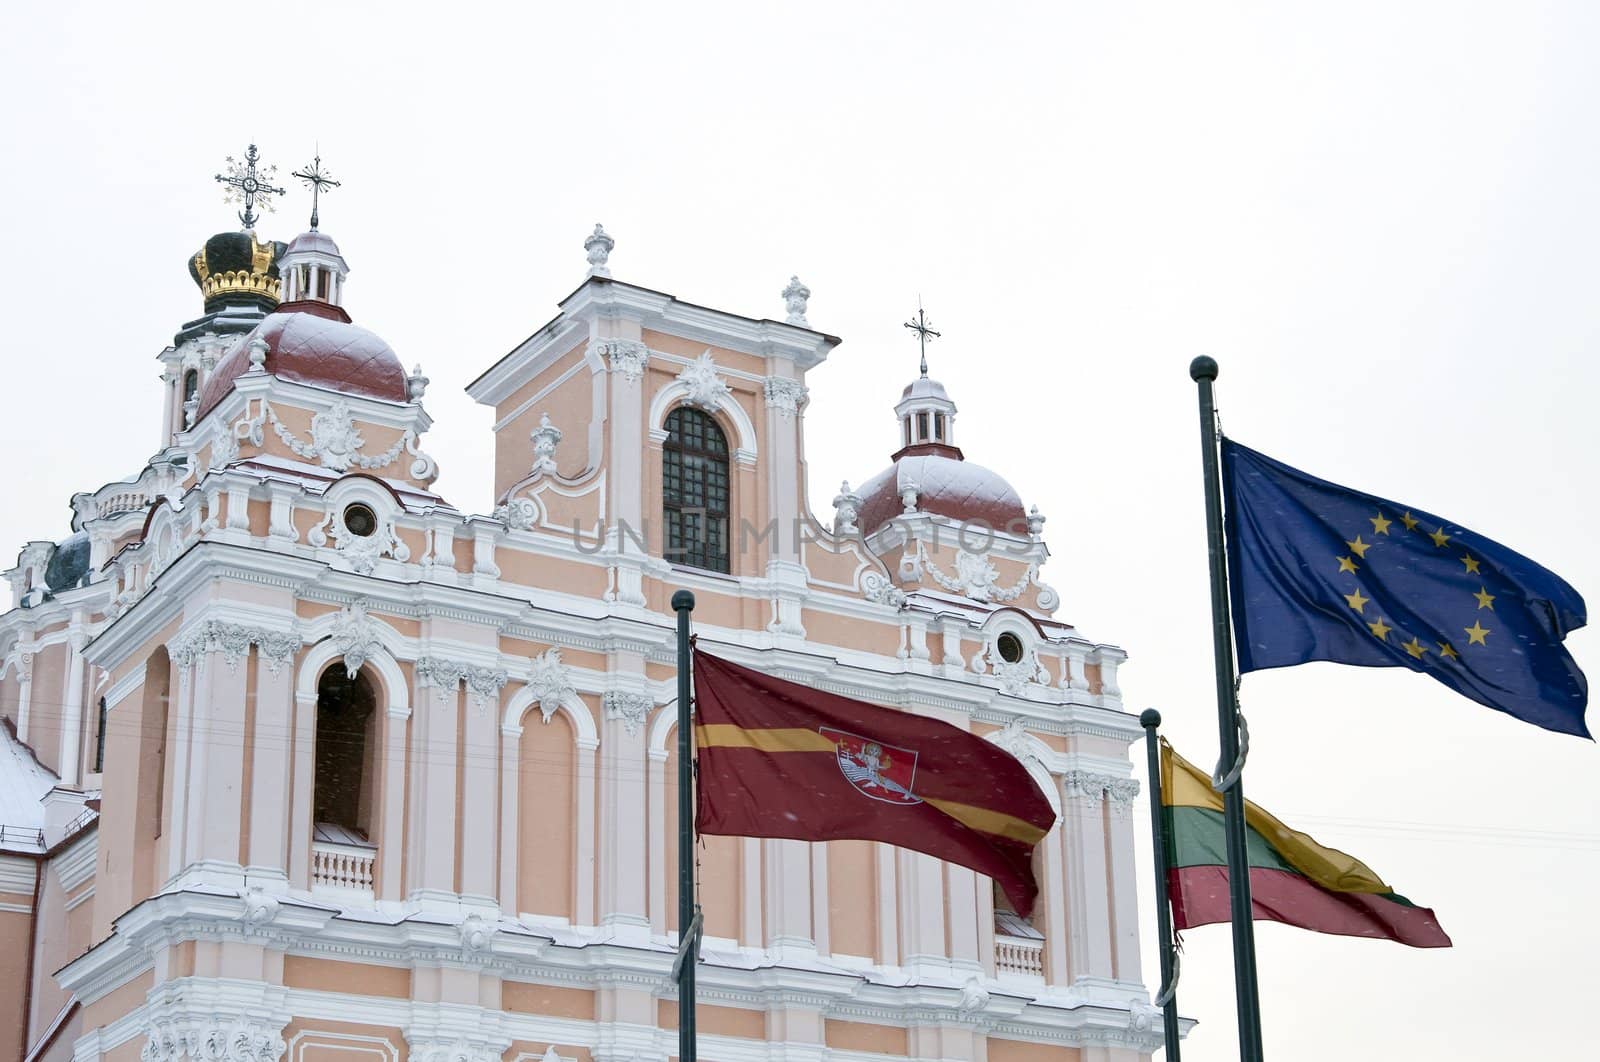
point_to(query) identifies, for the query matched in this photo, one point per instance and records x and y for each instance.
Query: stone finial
(190, 408)
(416, 384)
(258, 355)
(794, 299)
(545, 437)
(1035, 522)
(599, 245)
(908, 497)
(846, 507)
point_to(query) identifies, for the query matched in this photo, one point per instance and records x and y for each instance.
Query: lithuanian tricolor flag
(1293, 879)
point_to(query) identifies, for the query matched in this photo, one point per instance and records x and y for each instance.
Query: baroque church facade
(301, 762)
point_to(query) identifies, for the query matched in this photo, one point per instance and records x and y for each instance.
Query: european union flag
(1322, 572)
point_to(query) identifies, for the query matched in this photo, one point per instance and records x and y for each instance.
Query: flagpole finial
(1203, 368)
(682, 601)
(1149, 718)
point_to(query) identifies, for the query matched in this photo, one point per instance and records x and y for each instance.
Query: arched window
(345, 746)
(191, 384)
(694, 487)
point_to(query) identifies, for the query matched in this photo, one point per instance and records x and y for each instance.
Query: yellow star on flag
(1356, 600)
(1415, 648)
(1476, 634)
(1485, 599)
(1359, 548)
(1471, 563)
(1346, 564)
(1380, 628)
(1447, 650)
(1410, 522)
(1440, 539)
(1380, 524)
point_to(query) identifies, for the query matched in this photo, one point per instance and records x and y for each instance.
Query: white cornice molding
(750, 978)
(599, 298)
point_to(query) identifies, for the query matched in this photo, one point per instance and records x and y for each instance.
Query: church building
(301, 761)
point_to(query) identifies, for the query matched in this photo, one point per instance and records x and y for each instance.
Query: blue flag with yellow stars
(1322, 572)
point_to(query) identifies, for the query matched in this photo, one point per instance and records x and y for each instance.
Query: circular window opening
(1010, 647)
(360, 520)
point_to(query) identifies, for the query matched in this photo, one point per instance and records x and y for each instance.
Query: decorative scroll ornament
(233, 640)
(794, 301)
(786, 396)
(705, 388)
(625, 356)
(259, 907)
(875, 586)
(631, 708)
(520, 514)
(550, 681)
(355, 635)
(546, 437)
(974, 998)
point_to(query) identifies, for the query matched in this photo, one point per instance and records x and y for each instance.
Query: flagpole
(1203, 370)
(1167, 997)
(688, 913)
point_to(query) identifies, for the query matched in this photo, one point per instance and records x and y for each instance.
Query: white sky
(1380, 218)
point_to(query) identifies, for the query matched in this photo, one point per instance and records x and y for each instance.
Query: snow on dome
(312, 242)
(922, 387)
(947, 486)
(313, 343)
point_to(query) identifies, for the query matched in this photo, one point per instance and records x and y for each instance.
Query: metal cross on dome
(317, 179)
(924, 330)
(249, 186)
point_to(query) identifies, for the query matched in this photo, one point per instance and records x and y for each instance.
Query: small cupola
(312, 268)
(927, 416)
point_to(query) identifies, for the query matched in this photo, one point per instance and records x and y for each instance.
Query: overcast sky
(1380, 218)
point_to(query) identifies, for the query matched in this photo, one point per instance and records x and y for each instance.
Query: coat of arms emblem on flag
(882, 772)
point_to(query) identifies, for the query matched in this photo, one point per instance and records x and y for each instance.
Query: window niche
(346, 745)
(694, 490)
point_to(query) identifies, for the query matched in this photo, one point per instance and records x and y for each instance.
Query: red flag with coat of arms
(780, 759)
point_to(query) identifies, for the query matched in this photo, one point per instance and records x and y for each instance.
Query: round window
(360, 520)
(1010, 647)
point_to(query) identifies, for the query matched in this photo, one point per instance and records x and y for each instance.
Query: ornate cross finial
(247, 185)
(315, 178)
(924, 330)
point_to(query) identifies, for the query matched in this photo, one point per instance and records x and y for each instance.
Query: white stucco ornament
(550, 681)
(598, 247)
(703, 386)
(627, 357)
(794, 300)
(546, 437)
(630, 708)
(335, 437)
(355, 635)
(846, 507)
(784, 395)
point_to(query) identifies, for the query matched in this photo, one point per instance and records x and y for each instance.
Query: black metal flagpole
(688, 910)
(1167, 997)
(1203, 371)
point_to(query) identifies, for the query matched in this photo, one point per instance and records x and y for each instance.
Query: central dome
(946, 486)
(313, 343)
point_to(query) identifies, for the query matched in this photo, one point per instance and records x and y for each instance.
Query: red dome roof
(313, 343)
(948, 486)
